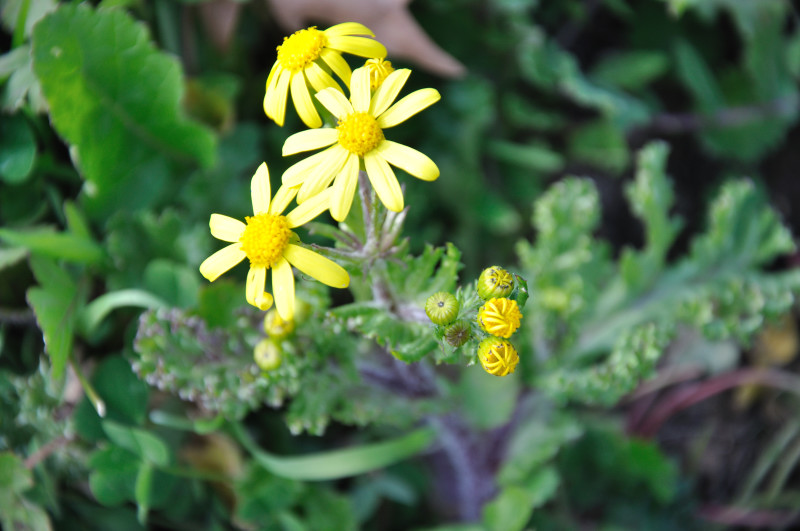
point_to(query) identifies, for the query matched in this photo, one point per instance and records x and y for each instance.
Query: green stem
(91, 394)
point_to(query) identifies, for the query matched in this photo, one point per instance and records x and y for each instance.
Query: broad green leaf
(337, 464)
(115, 99)
(512, 508)
(56, 303)
(487, 401)
(177, 284)
(142, 443)
(46, 241)
(17, 149)
(630, 70)
(94, 312)
(113, 475)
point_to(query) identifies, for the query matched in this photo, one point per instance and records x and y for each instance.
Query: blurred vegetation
(633, 161)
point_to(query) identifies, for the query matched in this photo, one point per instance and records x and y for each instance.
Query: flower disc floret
(378, 69)
(301, 48)
(500, 317)
(265, 238)
(498, 356)
(495, 282)
(359, 133)
(442, 308)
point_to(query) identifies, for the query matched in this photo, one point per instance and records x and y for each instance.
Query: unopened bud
(442, 308)
(495, 282)
(267, 355)
(458, 333)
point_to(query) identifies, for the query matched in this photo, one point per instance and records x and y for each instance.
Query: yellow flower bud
(267, 355)
(277, 327)
(498, 356)
(378, 70)
(495, 282)
(499, 317)
(442, 308)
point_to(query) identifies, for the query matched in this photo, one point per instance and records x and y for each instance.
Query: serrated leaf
(140, 442)
(46, 241)
(56, 304)
(115, 99)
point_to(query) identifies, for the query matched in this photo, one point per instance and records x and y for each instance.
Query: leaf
(46, 241)
(94, 312)
(512, 508)
(337, 464)
(138, 441)
(600, 144)
(113, 475)
(630, 70)
(487, 401)
(17, 149)
(17, 513)
(535, 157)
(11, 256)
(115, 99)
(697, 76)
(143, 491)
(56, 304)
(177, 284)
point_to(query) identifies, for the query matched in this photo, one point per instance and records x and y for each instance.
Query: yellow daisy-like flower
(266, 240)
(498, 356)
(359, 136)
(297, 66)
(379, 70)
(499, 317)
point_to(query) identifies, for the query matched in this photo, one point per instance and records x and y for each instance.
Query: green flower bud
(442, 308)
(267, 355)
(458, 333)
(498, 356)
(495, 282)
(275, 326)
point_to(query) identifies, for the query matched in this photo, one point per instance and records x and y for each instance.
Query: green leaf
(48, 242)
(487, 401)
(17, 149)
(140, 442)
(530, 156)
(337, 464)
(14, 475)
(143, 491)
(94, 312)
(602, 144)
(177, 284)
(512, 508)
(630, 70)
(17, 513)
(11, 256)
(113, 475)
(697, 76)
(56, 304)
(115, 99)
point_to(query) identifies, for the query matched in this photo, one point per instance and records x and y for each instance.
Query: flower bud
(499, 317)
(495, 282)
(275, 326)
(379, 70)
(267, 355)
(458, 333)
(442, 308)
(498, 356)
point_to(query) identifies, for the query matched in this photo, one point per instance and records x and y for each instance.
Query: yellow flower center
(378, 71)
(359, 133)
(265, 238)
(301, 48)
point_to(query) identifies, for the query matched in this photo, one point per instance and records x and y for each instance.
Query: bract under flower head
(358, 137)
(299, 64)
(267, 241)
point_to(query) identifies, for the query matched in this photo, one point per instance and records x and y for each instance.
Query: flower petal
(363, 46)
(336, 63)
(334, 101)
(282, 198)
(254, 289)
(348, 28)
(302, 102)
(408, 107)
(360, 89)
(225, 228)
(270, 94)
(310, 209)
(221, 261)
(323, 174)
(320, 79)
(384, 181)
(283, 288)
(260, 192)
(317, 266)
(388, 91)
(344, 188)
(310, 140)
(277, 110)
(409, 159)
(297, 173)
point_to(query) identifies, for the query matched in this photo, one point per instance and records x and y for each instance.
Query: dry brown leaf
(389, 19)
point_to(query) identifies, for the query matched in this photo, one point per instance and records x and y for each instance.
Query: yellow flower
(266, 240)
(379, 69)
(498, 356)
(499, 317)
(359, 136)
(297, 66)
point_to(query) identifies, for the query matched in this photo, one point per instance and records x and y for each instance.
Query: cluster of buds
(489, 318)
(268, 352)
